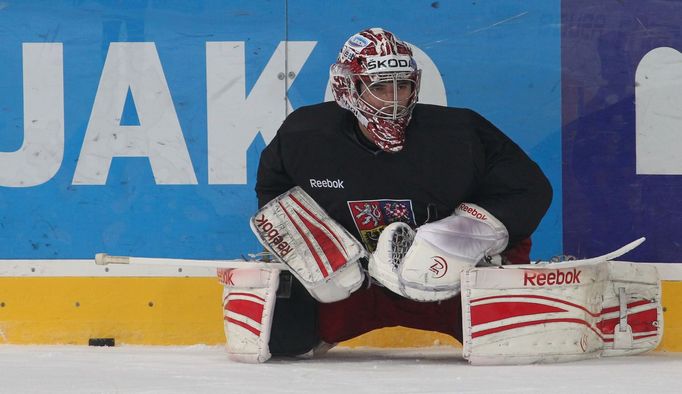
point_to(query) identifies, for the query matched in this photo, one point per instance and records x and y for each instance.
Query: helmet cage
(363, 87)
(348, 90)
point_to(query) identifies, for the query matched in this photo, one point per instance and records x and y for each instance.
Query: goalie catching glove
(322, 255)
(425, 265)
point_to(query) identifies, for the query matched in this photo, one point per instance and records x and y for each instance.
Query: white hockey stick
(104, 259)
(605, 257)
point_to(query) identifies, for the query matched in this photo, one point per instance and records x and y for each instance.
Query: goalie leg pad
(632, 315)
(559, 312)
(248, 305)
(322, 254)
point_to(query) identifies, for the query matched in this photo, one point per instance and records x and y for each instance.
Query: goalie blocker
(320, 253)
(560, 312)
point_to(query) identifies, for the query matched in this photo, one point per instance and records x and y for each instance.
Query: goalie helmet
(376, 78)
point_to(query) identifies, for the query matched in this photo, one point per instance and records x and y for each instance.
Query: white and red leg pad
(248, 307)
(560, 312)
(322, 254)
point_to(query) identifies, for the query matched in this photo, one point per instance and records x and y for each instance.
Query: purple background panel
(606, 204)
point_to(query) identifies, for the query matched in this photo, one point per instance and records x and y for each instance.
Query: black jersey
(450, 156)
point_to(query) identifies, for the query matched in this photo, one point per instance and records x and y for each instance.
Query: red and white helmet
(368, 59)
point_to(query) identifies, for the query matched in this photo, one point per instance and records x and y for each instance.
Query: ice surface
(206, 369)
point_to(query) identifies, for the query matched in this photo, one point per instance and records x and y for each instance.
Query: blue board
(180, 199)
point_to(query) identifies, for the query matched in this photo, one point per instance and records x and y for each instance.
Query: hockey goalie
(511, 314)
(384, 210)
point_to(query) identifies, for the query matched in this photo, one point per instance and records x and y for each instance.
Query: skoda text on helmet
(376, 78)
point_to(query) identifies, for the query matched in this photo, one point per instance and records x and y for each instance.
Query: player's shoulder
(438, 114)
(440, 121)
(314, 118)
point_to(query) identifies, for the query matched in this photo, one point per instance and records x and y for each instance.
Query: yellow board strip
(153, 311)
(178, 311)
(672, 316)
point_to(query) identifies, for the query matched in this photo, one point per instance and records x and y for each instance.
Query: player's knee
(295, 321)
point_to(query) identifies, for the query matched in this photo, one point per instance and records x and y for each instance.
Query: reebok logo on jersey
(326, 183)
(532, 278)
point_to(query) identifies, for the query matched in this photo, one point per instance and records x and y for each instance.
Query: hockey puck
(101, 342)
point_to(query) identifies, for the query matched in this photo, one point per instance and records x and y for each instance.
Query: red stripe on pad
(486, 313)
(533, 323)
(639, 322)
(644, 336)
(539, 298)
(317, 219)
(331, 252)
(250, 295)
(250, 309)
(320, 265)
(243, 325)
(631, 305)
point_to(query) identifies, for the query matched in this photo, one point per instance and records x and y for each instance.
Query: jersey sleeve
(272, 179)
(512, 187)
